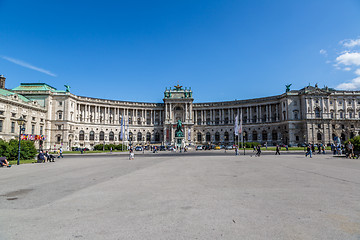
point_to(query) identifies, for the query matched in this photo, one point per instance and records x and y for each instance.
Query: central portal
(178, 116)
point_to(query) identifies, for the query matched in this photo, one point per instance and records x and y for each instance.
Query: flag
(240, 127)
(127, 130)
(189, 134)
(236, 128)
(122, 128)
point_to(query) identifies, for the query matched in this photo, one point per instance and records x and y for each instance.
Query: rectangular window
(59, 127)
(13, 114)
(333, 126)
(12, 127)
(1, 125)
(33, 118)
(60, 103)
(341, 114)
(332, 115)
(41, 130)
(1, 112)
(32, 129)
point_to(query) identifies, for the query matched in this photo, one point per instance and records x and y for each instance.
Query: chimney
(2, 82)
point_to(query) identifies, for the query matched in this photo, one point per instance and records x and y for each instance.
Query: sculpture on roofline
(67, 88)
(288, 87)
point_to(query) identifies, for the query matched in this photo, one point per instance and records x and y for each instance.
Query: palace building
(57, 118)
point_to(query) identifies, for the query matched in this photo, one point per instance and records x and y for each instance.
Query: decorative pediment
(310, 90)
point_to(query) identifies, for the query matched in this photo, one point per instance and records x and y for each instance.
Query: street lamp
(21, 122)
(244, 135)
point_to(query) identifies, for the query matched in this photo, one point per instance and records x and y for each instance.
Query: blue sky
(223, 50)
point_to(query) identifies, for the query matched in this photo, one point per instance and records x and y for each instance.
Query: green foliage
(251, 144)
(107, 147)
(10, 150)
(356, 142)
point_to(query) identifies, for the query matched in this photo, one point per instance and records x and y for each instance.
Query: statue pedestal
(179, 142)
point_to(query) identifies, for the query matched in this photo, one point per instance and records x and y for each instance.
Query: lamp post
(21, 122)
(244, 141)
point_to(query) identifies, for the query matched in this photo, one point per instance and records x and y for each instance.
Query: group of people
(47, 157)
(311, 148)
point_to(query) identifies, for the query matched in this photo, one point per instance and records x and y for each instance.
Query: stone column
(277, 112)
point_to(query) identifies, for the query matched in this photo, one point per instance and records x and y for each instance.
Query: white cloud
(349, 58)
(354, 84)
(347, 69)
(323, 52)
(357, 71)
(28, 65)
(349, 43)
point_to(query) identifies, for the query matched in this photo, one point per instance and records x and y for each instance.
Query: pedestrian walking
(277, 150)
(61, 152)
(132, 155)
(308, 150)
(258, 151)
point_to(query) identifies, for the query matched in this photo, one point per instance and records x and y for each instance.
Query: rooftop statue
(288, 87)
(178, 87)
(67, 88)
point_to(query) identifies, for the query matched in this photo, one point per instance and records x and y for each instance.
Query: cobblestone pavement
(204, 196)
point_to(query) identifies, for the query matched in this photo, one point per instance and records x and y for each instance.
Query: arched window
(92, 136)
(319, 136)
(139, 137)
(101, 136)
(264, 135)
(296, 115)
(148, 137)
(341, 114)
(59, 115)
(199, 137)
(58, 139)
(317, 112)
(81, 135)
(254, 136)
(130, 136)
(208, 137)
(217, 137)
(226, 136)
(274, 136)
(111, 136)
(157, 137)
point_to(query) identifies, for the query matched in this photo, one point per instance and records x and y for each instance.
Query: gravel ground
(182, 196)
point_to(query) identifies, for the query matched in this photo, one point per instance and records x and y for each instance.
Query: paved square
(182, 196)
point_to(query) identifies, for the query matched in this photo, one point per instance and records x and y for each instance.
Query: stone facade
(310, 114)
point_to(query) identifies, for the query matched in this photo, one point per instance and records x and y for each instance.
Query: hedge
(10, 149)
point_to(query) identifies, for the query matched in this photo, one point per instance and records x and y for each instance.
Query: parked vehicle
(199, 148)
(217, 148)
(138, 148)
(229, 147)
(162, 148)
